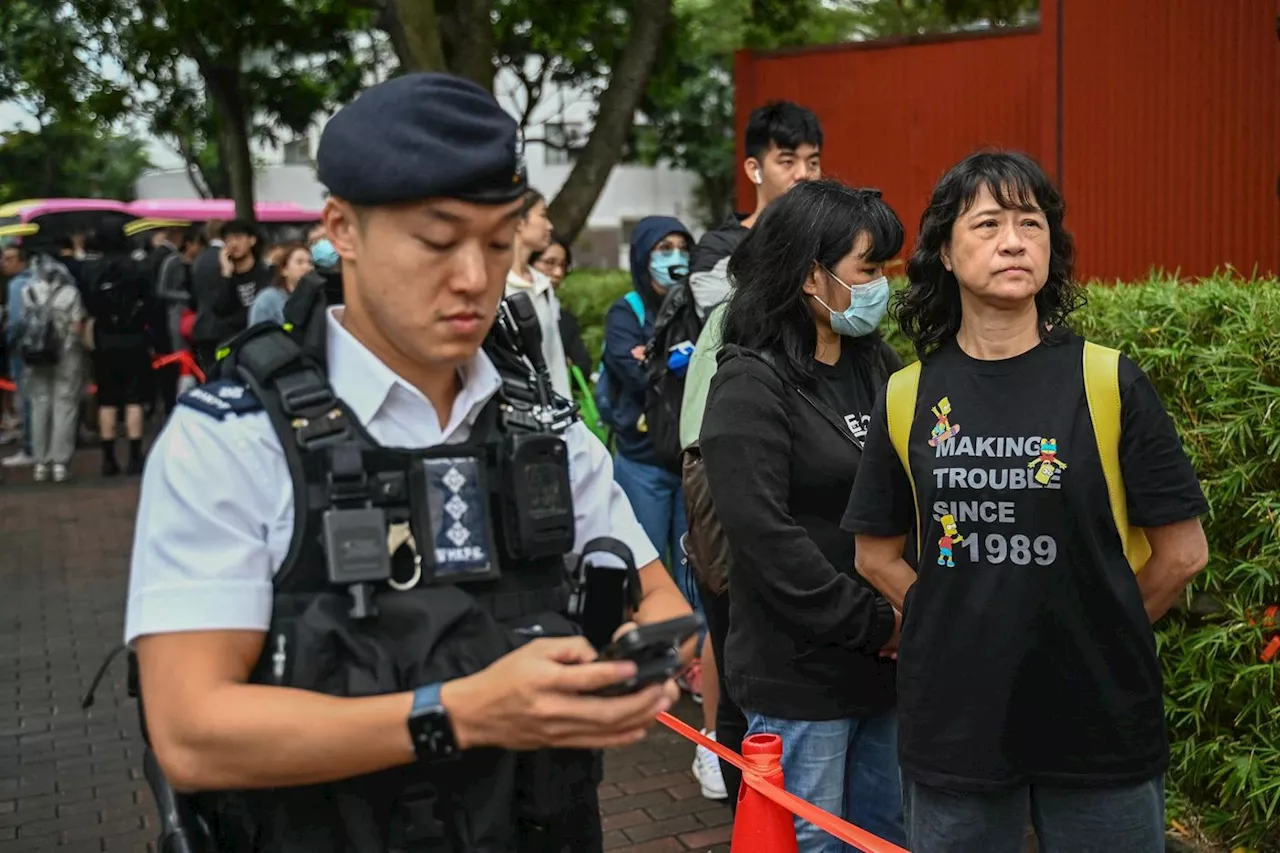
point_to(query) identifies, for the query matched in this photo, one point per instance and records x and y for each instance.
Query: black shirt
(1032, 659)
(226, 312)
(849, 386)
(804, 629)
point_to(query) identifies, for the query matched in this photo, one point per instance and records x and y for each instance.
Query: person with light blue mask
(659, 256)
(323, 254)
(810, 649)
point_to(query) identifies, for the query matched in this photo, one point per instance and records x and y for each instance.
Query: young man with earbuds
(783, 146)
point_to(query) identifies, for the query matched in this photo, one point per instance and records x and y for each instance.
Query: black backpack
(675, 332)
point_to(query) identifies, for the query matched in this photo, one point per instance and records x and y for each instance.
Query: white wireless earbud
(759, 177)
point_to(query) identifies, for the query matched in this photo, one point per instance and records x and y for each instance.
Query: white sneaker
(60, 473)
(17, 460)
(40, 473)
(706, 769)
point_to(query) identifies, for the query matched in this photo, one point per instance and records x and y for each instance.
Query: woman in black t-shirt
(1028, 684)
(808, 653)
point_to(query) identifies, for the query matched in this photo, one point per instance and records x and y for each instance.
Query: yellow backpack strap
(1102, 391)
(900, 412)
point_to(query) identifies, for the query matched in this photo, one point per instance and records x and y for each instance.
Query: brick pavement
(71, 779)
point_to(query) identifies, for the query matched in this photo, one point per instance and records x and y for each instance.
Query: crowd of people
(924, 579)
(933, 599)
(96, 310)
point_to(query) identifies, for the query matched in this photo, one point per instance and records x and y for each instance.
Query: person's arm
(881, 515)
(1163, 494)
(747, 450)
(1179, 551)
(623, 334)
(199, 606)
(574, 347)
(211, 730)
(172, 286)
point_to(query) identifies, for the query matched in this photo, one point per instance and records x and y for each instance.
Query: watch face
(432, 734)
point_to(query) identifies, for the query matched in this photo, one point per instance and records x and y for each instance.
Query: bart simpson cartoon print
(943, 430)
(946, 545)
(1048, 459)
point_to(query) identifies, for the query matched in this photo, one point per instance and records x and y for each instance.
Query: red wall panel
(897, 116)
(1171, 135)
(1166, 113)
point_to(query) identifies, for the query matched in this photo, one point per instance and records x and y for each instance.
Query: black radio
(537, 498)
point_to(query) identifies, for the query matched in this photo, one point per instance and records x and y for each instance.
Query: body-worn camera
(538, 511)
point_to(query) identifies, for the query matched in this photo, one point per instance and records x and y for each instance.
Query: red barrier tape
(180, 357)
(824, 820)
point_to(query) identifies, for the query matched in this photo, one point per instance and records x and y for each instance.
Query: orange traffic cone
(761, 825)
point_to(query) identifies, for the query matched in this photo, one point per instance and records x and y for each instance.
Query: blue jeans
(847, 767)
(657, 497)
(1066, 820)
(17, 372)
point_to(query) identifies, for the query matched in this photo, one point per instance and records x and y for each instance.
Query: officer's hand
(535, 697)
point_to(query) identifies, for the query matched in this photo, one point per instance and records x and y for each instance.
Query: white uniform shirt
(216, 514)
(547, 304)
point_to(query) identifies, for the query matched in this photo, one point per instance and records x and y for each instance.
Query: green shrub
(588, 295)
(1212, 349)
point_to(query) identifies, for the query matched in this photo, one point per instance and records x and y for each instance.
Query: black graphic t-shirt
(1026, 653)
(849, 387)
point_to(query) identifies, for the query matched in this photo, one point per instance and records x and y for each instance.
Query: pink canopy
(202, 210)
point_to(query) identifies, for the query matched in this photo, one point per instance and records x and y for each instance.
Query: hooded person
(659, 256)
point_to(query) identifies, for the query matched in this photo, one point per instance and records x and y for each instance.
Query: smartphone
(654, 648)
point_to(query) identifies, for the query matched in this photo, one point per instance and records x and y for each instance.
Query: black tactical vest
(487, 800)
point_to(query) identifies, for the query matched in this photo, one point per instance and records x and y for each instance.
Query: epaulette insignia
(221, 398)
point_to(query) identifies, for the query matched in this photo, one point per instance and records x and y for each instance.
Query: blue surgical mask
(667, 267)
(867, 305)
(324, 254)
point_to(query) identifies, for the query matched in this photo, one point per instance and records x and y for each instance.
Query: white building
(561, 117)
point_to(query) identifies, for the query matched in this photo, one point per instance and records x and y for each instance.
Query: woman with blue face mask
(809, 653)
(659, 256)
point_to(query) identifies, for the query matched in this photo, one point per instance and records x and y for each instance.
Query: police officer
(426, 175)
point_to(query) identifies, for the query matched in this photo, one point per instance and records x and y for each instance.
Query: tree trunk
(415, 34)
(223, 84)
(466, 34)
(615, 114)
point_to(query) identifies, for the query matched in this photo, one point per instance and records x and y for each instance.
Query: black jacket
(804, 628)
(709, 261)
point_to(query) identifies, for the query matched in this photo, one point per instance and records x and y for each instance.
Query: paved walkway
(72, 779)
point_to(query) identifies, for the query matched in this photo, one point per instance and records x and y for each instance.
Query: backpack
(605, 394)
(117, 303)
(1102, 392)
(39, 341)
(675, 331)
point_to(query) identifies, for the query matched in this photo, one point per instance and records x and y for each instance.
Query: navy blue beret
(422, 136)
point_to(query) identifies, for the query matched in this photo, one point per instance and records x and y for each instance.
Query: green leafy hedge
(1212, 348)
(1213, 351)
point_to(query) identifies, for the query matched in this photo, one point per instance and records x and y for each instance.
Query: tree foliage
(222, 74)
(688, 109)
(70, 158)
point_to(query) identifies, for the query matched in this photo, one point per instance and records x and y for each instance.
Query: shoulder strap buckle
(304, 391)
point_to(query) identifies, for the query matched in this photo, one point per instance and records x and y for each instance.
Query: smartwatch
(430, 727)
